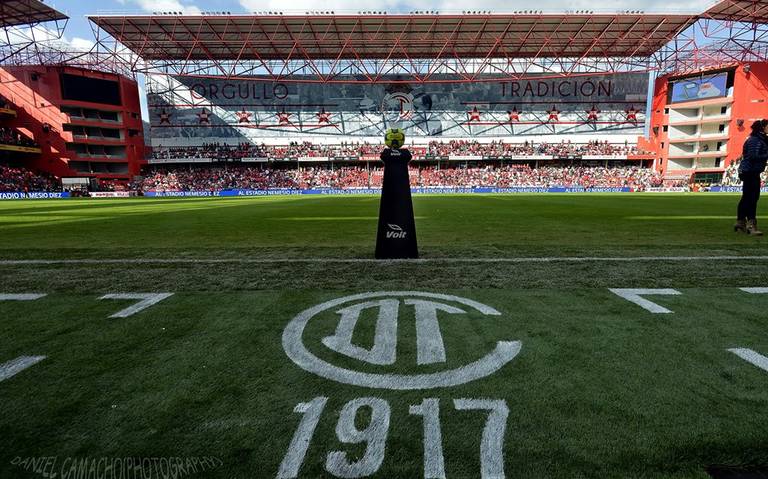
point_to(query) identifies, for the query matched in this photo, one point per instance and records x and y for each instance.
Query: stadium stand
(244, 177)
(22, 179)
(731, 175)
(565, 148)
(500, 149)
(9, 136)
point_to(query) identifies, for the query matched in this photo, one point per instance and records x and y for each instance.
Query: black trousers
(750, 193)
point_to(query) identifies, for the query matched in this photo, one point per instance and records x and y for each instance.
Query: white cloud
(81, 44)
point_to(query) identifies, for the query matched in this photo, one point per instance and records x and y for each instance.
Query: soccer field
(540, 336)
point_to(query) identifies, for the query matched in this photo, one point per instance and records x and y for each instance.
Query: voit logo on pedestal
(395, 231)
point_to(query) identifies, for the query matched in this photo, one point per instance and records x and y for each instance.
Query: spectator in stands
(754, 158)
(23, 180)
(9, 136)
(244, 177)
(221, 152)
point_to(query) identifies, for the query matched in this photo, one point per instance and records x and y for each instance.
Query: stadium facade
(270, 78)
(64, 113)
(87, 123)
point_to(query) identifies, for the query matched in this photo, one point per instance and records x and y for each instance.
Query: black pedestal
(396, 237)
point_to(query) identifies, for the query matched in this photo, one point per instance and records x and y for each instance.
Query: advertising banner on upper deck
(250, 108)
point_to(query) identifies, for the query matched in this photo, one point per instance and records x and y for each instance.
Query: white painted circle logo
(430, 348)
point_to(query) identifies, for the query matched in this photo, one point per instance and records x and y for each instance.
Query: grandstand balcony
(20, 149)
(92, 116)
(8, 110)
(697, 153)
(703, 103)
(700, 120)
(95, 134)
(701, 137)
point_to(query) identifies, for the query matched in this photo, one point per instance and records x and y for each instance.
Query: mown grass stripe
(540, 259)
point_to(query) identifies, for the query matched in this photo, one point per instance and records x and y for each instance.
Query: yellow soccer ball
(394, 138)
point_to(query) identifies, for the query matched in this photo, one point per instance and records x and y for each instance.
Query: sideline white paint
(755, 290)
(532, 259)
(147, 300)
(20, 297)
(634, 296)
(15, 366)
(294, 347)
(752, 357)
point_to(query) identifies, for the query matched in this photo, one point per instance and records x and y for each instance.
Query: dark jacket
(754, 154)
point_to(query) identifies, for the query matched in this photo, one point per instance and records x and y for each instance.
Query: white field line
(147, 300)
(21, 297)
(755, 290)
(15, 366)
(751, 357)
(541, 259)
(635, 296)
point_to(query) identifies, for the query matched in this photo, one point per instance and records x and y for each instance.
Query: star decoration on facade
(165, 117)
(203, 117)
(323, 116)
(592, 113)
(514, 115)
(554, 114)
(474, 114)
(243, 116)
(631, 114)
(284, 118)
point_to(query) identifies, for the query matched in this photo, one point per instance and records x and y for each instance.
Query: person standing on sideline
(754, 158)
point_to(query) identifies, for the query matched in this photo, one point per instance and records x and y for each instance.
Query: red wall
(38, 102)
(750, 95)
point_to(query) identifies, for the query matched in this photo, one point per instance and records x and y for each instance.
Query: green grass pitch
(250, 365)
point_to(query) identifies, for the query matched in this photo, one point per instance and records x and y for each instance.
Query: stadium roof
(336, 37)
(24, 12)
(752, 11)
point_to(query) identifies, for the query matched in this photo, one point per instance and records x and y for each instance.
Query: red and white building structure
(82, 112)
(87, 123)
(685, 136)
